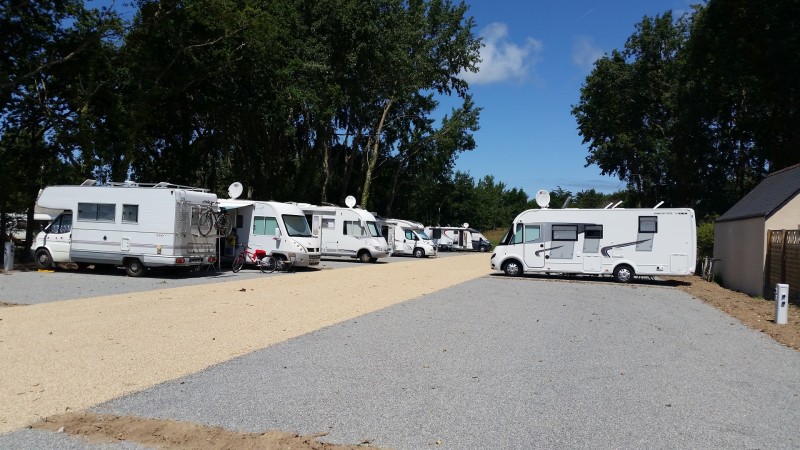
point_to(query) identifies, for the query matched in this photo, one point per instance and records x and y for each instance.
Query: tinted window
(648, 224)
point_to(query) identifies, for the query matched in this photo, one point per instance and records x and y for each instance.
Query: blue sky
(536, 57)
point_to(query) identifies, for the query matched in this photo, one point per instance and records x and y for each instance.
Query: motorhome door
(58, 237)
(328, 234)
(533, 244)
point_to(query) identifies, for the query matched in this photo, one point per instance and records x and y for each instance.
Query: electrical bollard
(781, 303)
(8, 257)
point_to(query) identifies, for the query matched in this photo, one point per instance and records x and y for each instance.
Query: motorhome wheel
(484, 248)
(43, 259)
(364, 257)
(623, 273)
(512, 268)
(134, 267)
(419, 252)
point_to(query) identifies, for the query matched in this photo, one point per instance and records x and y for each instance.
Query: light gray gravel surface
(507, 363)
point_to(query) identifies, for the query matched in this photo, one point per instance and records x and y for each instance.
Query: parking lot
(418, 357)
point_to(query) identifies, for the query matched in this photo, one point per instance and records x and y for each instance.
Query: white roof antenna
(659, 204)
(566, 202)
(608, 205)
(616, 204)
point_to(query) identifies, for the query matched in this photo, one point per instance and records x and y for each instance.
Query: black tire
(364, 257)
(512, 268)
(134, 267)
(224, 224)
(483, 249)
(419, 252)
(43, 259)
(205, 222)
(623, 273)
(269, 264)
(373, 260)
(238, 262)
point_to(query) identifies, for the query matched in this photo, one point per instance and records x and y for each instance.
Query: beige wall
(742, 247)
(787, 218)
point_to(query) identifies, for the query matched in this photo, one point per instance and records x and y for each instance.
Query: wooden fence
(783, 263)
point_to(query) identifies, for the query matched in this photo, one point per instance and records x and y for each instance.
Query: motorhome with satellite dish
(350, 231)
(269, 228)
(623, 243)
(458, 238)
(138, 226)
(407, 237)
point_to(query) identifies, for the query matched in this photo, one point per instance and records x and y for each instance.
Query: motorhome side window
(565, 232)
(532, 233)
(353, 228)
(62, 224)
(437, 233)
(130, 213)
(264, 226)
(517, 235)
(97, 212)
(648, 224)
(593, 232)
(409, 235)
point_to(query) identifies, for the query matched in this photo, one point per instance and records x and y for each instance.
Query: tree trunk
(372, 155)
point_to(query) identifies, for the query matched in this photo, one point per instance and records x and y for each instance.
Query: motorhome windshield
(373, 229)
(296, 226)
(422, 235)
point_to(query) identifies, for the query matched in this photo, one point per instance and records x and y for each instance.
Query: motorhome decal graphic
(539, 252)
(605, 250)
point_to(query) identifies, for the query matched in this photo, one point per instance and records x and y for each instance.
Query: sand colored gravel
(71, 355)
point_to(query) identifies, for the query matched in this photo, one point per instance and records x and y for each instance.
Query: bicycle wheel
(238, 263)
(268, 264)
(224, 224)
(205, 222)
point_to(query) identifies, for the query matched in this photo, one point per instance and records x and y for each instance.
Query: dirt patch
(756, 313)
(98, 429)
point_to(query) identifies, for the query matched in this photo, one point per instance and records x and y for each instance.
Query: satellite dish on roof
(465, 225)
(543, 198)
(235, 190)
(350, 201)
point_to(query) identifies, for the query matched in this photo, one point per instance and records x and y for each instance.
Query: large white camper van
(350, 231)
(126, 224)
(271, 228)
(458, 238)
(406, 237)
(618, 242)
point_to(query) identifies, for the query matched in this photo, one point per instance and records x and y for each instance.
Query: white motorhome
(137, 226)
(407, 237)
(622, 243)
(350, 231)
(271, 228)
(458, 238)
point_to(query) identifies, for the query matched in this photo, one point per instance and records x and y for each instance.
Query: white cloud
(503, 60)
(585, 52)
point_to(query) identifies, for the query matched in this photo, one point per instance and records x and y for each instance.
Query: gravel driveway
(496, 362)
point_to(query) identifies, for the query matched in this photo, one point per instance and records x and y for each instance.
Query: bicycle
(259, 258)
(708, 268)
(279, 263)
(210, 220)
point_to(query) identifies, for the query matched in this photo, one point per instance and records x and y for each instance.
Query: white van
(135, 225)
(458, 238)
(407, 237)
(271, 228)
(622, 243)
(351, 232)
